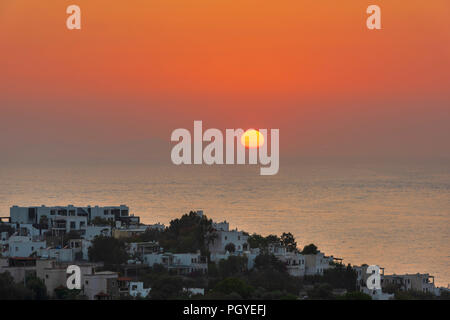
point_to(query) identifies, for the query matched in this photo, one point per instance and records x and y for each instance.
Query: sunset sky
(139, 69)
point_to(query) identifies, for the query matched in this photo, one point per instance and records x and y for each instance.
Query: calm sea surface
(396, 216)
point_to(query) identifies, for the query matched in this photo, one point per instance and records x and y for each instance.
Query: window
(17, 248)
(52, 212)
(71, 212)
(31, 213)
(72, 225)
(239, 237)
(105, 212)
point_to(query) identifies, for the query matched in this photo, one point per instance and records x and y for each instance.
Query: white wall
(20, 246)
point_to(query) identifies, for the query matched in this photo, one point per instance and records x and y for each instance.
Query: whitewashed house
(295, 262)
(361, 283)
(140, 249)
(23, 246)
(224, 236)
(417, 282)
(181, 263)
(80, 246)
(194, 291)
(316, 264)
(101, 286)
(249, 254)
(137, 290)
(58, 254)
(69, 217)
(92, 231)
(54, 273)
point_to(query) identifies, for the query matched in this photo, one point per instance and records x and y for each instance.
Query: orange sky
(140, 68)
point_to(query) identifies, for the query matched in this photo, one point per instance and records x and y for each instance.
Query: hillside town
(193, 258)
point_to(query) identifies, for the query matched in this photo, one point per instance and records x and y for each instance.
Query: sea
(392, 214)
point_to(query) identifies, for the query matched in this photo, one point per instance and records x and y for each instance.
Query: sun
(252, 139)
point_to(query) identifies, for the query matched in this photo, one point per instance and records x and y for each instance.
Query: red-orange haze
(139, 69)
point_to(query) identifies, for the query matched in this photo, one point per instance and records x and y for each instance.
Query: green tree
(272, 280)
(322, 291)
(288, 240)
(341, 277)
(232, 266)
(63, 293)
(147, 236)
(37, 287)
(99, 221)
(356, 295)
(257, 241)
(310, 249)
(167, 287)
(109, 250)
(413, 295)
(230, 247)
(269, 261)
(273, 239)
(188, 234)
(230, 285)
(4, 227)
(12, 291)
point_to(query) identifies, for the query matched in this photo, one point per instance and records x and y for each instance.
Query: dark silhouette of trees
(310, 249)
(230, 247)
(288, 241)
(109, 250)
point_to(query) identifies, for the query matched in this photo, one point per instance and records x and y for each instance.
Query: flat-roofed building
(101, 286)
(69, 217)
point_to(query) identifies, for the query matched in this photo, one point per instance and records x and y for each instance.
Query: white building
(140, 249)
(316, 264)
(80, 246)
(250, 254)
(92, 231)
(225, 237)
(181, 263)
(127, 231)
(70, 214)
(23, 246)
(417, 282)
(221, 226)
(137, 290)
(295, 262)
(54, 273)
(27, 229)
(101, 286)
(361, 283)
(194, 291)
(18, 267)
